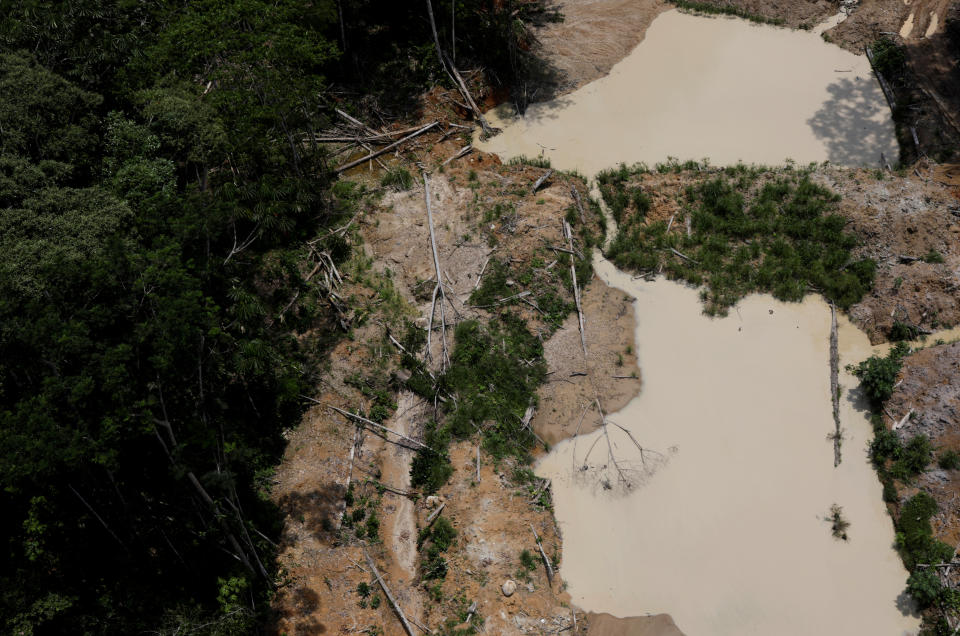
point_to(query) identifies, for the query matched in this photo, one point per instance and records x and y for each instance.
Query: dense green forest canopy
(156, 195)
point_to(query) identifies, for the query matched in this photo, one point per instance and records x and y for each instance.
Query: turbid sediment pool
(718, 88)
(725, 525)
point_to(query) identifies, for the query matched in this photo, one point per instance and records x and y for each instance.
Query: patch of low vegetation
(523, 160)
(528, 564)
(838, 523)
(494, 374)
(752, 230)
(724, 9)
(437, 538)
(360, 517)
(379, 389)
(398, 178)
(901, 331)
(889, 58)
(949, 460)
(878, 374)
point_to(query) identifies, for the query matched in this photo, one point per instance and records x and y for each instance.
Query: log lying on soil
(386, 591)
(370, 423)
(576, 289)
(436, 513)
(543, 555)
(463, 152)
(541, 180)
(438, 289)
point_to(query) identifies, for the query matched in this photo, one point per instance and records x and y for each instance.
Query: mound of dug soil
(608, 625)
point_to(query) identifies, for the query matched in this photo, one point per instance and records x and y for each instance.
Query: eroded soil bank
(725, 525)
(719, 88)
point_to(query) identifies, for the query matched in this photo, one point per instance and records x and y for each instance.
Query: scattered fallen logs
(386, 149)
(364, 420)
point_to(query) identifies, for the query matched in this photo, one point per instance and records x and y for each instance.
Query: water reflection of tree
(853, 125)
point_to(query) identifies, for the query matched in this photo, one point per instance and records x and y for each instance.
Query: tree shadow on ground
(316, 510)
(853, 124)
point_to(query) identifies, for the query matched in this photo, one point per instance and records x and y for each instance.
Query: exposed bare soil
(387, 284)
(611, 365)
(594, 35)
(607, 625)
(903, 216)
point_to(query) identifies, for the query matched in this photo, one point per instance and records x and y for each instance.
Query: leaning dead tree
(451, 70)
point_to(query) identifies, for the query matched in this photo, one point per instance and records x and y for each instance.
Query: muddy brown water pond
(718, 88)
(725, 525)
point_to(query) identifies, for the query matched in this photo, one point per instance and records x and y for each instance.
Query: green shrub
(440, 536)
(901, 331)
(442, 533)
(528, 561)
(373, 525)
(949, 460)
(431, 468)
(399, 178)
(925, 587)
(885, 446)
(915, 534)
(914, 458)
(888, 58)
(933, 256)
(878, 374)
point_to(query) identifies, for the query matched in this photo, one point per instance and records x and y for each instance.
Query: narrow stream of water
(725, 527)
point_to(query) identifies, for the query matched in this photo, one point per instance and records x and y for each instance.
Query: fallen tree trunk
(438, 290)
(462, 153)
(835, 385)
(385, 149)
(541, 180)
(386, 591)
(543, 555)
(359, 418)
(576, 288)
